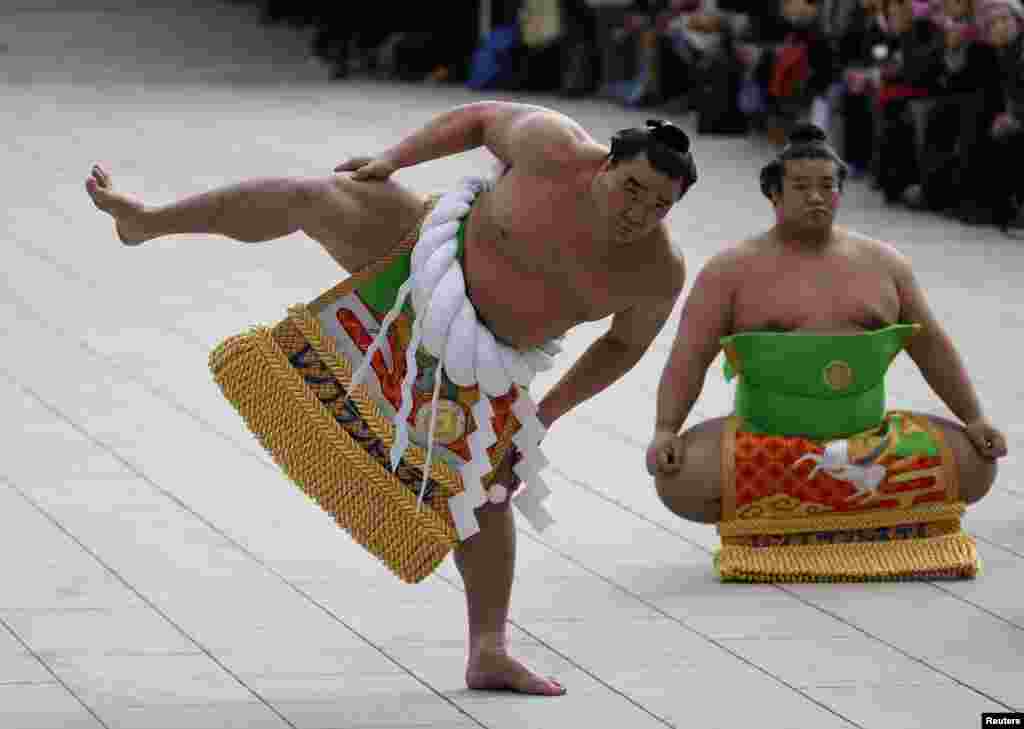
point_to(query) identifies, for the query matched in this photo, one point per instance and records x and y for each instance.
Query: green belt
(381, 291)
(818, 386)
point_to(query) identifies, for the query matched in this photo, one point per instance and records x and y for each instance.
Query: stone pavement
(159, 572)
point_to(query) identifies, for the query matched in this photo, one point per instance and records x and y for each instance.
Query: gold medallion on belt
(838, 375)
(450, 424)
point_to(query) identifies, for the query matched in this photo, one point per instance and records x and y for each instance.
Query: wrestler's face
(635, 197)
(810, 194)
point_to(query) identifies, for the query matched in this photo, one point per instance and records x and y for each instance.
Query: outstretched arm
(932, 350)
(941, 365)
(517, 134)
(706, 318)
(611, 355)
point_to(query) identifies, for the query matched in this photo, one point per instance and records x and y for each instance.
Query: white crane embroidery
(864, 473)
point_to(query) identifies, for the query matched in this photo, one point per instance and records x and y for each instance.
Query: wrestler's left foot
(497, 671)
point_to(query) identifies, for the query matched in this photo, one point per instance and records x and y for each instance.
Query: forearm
(944, 371)
(604, 362)
(678, 391)
(455, 131)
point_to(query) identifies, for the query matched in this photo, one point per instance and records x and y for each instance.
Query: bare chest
(530, 265)
(822, 295)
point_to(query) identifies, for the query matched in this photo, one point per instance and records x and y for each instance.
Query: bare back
(537, 260)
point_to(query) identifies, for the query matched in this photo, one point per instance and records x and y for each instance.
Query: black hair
(666, 145)
(806, 141)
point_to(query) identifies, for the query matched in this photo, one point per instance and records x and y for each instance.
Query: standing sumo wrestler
(573, 231)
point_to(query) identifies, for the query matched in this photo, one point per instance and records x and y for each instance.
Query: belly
(524, 311)
(521, 298)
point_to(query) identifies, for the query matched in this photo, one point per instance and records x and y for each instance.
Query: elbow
(628, 353)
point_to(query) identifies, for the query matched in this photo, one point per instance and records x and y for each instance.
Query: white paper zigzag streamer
(446, 326)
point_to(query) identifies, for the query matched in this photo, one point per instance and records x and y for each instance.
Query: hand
(664, 454)
(368, 168)
(662, 21)
(747, 54)
(703, 23)
(856, 81)
(1003, 124)
(987, 440)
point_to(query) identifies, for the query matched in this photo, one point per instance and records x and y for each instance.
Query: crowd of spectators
(924, 98)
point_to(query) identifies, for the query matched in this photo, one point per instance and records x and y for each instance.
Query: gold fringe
(321, 458)
(325, 462)
(382, 427)
(947, 557)
(830, 521)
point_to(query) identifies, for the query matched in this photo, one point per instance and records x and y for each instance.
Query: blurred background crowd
(923, 98)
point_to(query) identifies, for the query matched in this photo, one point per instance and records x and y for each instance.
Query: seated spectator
(701, 37)
(911, 71)
(958, 116)
(698, 32)
(1002, 22)
(802, 67)
(636, 42)
(862, 50)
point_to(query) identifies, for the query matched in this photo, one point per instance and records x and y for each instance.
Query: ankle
(487, 644)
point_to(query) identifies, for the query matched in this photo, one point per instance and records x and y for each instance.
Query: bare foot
(126, 212)
(496, 671)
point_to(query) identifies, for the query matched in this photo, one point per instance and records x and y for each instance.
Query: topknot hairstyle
(806, 141)
(666, 145)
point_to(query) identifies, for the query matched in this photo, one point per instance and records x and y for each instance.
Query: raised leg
(695, 491)
(355, 222)
(486, 562)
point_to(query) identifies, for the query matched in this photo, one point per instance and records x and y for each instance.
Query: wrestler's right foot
(494, 670)
(128, 214)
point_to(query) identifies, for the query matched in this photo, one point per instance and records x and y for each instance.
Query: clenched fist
(664, 454)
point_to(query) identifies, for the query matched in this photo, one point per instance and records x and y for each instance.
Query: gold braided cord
(931, 529)
(436, 526)
(319, 455)
(382, 426)
(324, 461)
(923, 514)
(307, 320)
(946, 557)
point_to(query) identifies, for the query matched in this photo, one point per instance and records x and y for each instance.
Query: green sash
(381, 291)
(815, 385)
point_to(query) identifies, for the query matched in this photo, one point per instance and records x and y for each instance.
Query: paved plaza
(158, 571)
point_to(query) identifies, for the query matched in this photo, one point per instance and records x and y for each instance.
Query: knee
(685, 498)
(976, 479)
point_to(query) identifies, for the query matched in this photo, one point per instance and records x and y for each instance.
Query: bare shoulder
(556, 125)
(665, 272)
(545, 138)
(876, 252)
(729, 264)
